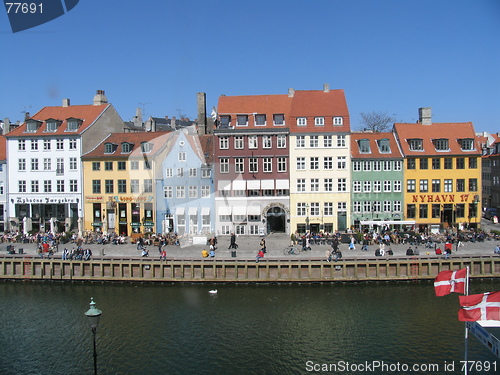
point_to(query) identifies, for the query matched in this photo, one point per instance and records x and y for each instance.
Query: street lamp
(94, 314)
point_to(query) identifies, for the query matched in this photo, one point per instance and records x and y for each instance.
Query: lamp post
(94, 314)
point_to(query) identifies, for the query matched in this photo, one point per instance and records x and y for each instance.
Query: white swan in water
(213, 291)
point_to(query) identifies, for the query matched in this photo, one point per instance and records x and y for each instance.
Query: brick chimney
(6, 126)
(326, 87)
(425, 116)
(201, 100)
(291, 92)
(65, 103)
(100, 98)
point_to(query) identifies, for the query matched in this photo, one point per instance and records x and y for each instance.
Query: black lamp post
(94, 314)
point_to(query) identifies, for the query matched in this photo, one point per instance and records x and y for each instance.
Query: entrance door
(341, 221)
(276, 220)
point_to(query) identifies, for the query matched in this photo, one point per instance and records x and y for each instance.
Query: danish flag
(450, 281)
(475, 307)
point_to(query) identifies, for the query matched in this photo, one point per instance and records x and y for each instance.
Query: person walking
(263, 245)
(233, 244)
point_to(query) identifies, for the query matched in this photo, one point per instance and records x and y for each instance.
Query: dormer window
(467, 144)
(338, 121)
(383, 146)
(73, 124)
(441, 144)
(301, 121)
(364, 146)
(279, 119)
(225, 121)
(260, 120)
(319, 121)
(32, 126)
(145, 147)
(126, 147)
(415, 144)
(52, 125)
(242, 120)
(109, 148)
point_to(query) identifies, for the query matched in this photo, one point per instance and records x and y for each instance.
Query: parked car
(489, 213)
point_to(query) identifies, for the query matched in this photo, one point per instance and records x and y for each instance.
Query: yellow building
(119, 177)
(442, 173)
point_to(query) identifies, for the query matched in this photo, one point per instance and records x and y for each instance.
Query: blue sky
(391, 56)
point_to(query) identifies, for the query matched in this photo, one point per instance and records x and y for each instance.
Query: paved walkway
(249, 246)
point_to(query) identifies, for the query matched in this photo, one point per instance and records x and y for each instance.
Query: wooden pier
(224, 270)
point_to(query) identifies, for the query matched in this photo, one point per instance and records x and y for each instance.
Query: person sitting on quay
(329, 255)
(204, 253)
(259, 256)
(337, 254)
(163, 255)
(410, 251)
(497, 249)
(212, 253)
(87, 254)
(145, 252)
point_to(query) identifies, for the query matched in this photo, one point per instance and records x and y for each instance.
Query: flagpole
(466, 370)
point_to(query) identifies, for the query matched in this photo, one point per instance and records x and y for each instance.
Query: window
(424, 186)
(193, 191)
(383, 146)
(460, 185)
(109, 148)
(448, 186)
(59, 144)
(21, 144)
(34, 187)
(415, 144)
(122, 165)
(356, 165)
(341, 162)
(96, 186)
(423, 211)
(52, 126)
(314, 184)
(341, 141)
(410, 186)
(181, 156)
(301, 121)
(377, 186)
(436, 186)
(168, 192)
(367, 166)
(205, 191)
(267, 141)
(436, 163)
(96, 166)
(364, 146)
(314, 162)
(281, 141)
(108, 165)
(268, 165)
(47, 165)
(134, 165)
(279, 119)
(397, 206)
(242, 120)
(319, 121)
(34, 145)
(260, 120)
(410, 211)
(252, 141)
(146, 147)
(46, 144)
(387, 206)
(47, 186)
(238, 142)
(460, 210)
(473, 162)
(109, 186)
(328, 162)
(460, 163)
(34, 164)
(134, 186)
(342, 184)
(397, 165)
(21, 184)
(397, 186)
(206, 172)
(377, 206)
(472, 184)
(73, 186)
(472, 210)
(32, 126)
(300, 141)
(377, 165)
(224, 165)
(122, 186)
(313, 141)
(411, 163)
(301, 163)
(253, 166)
(314, 208)
(424, 163)
(180, 192)
(148, 185)
(436, 211)
(387, 165)
(328, 184)
(367, 206)
(72, 125)
(301, 209)
(73, 164)
(126, 147)
(224, 143)
(21, 164)
(239, 165)
(356, 186)
(327, 141)
(225, 121)
(448, 163)
(441, 145)
(328, 208)
(281, 164)
(356, 206)
(180, 172)
(301, 184)
(60, 186)
(367, 186)
(467, 144)
(337, 120)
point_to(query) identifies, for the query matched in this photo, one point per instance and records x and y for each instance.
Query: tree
(376, 121)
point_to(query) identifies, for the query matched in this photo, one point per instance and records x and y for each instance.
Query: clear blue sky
(392, 56)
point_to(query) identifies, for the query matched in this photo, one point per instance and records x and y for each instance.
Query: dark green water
(244, 329)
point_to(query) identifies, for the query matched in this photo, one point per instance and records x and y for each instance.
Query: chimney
(201, 99)
(100, 98)
(326, 87)
(6, 126)
(172, 123)
(425, 116)
(65, 102)
(138, 118)
(291, 92)
(26, 116)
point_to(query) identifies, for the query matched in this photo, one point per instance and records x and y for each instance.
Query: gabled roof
(158, 141)
(454, 132)
(3, 148)
(88, 113)
(250, 104)
(373, 139)
(319, 103)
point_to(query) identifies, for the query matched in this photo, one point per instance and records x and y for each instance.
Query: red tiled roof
(319, 103)
(250, 104)
(375, 151)
(451, 131)
(87, 113)
(3, 148)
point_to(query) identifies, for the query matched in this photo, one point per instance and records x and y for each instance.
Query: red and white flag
(475, 307)
(450, 281)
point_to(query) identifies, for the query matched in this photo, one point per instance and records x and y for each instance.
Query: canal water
(243, 329)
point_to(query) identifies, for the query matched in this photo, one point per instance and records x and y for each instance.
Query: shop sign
(149, 224)
(96, 224)
(441, 198)
(123, 199)
(44, 200)
(135, 224)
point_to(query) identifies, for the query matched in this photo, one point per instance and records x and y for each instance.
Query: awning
(253, 184)
(224, 185)
(282, 184)
(388, 222)
(267, 184)
(193, 211)
(239, 185)
(179, 211)
(224, 210)
(240, 210)
(205, 211)
(253, 210)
